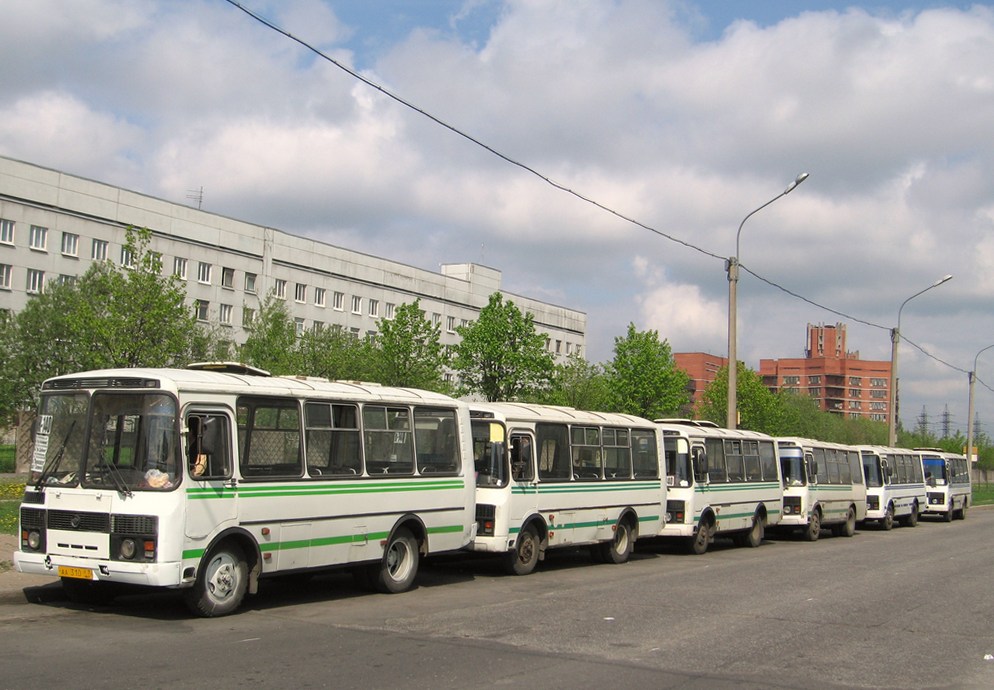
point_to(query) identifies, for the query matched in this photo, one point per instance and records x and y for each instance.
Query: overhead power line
(561, 187)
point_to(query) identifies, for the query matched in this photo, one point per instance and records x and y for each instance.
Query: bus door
(524, 491)
(702, 480)
(212, 503)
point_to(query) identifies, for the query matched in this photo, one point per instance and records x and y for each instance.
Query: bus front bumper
(147, 574)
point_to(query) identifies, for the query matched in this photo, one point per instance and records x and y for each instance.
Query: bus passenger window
(208, 456)
(521, 459)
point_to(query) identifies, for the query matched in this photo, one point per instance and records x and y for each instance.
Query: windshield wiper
(116, 477)
(52, 465)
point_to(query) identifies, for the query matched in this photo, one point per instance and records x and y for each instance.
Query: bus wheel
(699, 543)
(399, 566)
(754, 537)
(849, 527)
(888, 520)
(948, 516)
(619, 549)
(962, 512)
(813, 530)
(221, 583)
(523, 559)
(88, 591)
(912, 519)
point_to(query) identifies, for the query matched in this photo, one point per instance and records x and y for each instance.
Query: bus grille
(32, 518)
(135, 524)
(78, 522)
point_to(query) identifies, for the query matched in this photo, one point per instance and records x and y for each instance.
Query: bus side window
(208, 453)
(700, 461)
(522, 467)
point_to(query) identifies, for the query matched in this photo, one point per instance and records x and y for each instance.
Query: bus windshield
(489, 443)
(871, 468)
(678, 472)
(935, 470)
(792, 466)
(126, 442)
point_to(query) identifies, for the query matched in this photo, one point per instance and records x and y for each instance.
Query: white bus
(947, 478)
(895, 485)
(720, 482)
(551, 477)
(208, 480)
(822, 487)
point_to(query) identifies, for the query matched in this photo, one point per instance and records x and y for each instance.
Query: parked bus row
(212, 478)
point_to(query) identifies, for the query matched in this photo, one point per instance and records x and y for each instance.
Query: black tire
(698, 544)
(754, 537)
(399, 566)
(962, 511)
(88, 591)
(619, 549)
(912, 519)
(813, 530)
(523, 558)
(887, 522)
(221, 582)
(948, 515)
(848, 528)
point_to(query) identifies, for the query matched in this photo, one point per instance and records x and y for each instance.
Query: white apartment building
(54, 225)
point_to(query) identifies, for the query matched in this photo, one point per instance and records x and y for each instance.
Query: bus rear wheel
(698, 544)
(396, 571)
(221, 583)
(619, 549)
(754, 537)
(847, 528)
(523, 558)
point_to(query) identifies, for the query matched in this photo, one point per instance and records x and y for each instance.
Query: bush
(6, 459)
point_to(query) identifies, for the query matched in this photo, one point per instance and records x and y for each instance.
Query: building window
(6, 231)
(436, 319)
(280, 288)
(248, 316)
(38, 238)
(250, 282)
(791, 380)
(300, 293)
(36, 282)
(374, 308)
(179, 267)
(5, 272)
(127, 258)
(391, 308)
(228, 278)
(339, 301)
(70, 244)
(204, 272)
(814, 380)
(317, 326)
(298, 326)
(203, 309)
(319, 297)
(98, 250)
(450, 324)
(224, 314)
(356, 304)
(66, 280)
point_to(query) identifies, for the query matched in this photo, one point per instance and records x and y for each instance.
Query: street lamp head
(942, 280)
(797, 180)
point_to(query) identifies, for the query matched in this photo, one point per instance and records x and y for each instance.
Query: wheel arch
(416, 526)
(246, 541)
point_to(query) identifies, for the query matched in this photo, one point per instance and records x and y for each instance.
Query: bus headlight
(34, 540)
(128, 549)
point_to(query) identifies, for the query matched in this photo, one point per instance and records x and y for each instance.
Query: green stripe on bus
(319, 490)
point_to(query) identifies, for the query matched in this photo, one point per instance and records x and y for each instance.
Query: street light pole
(895, 337)
(969, 415)
(732, 268)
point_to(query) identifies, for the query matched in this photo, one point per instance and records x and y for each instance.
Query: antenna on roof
(196, 195)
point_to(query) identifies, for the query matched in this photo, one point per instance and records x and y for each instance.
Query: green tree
(759, 409)
(410, 352)
(501, 355)
(580, 384)
(272, 339)
(335, 353)
(644, 378)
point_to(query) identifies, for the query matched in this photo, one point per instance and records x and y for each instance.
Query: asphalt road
(903, 609)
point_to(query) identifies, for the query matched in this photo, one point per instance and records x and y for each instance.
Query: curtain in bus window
(715, 451)
(586, 450)
(436, 440)
(269, 434)
(645, 457)
(332, 439)
(388, 440)
(553, 452)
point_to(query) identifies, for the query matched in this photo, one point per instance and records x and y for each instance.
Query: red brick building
(837, 379)
(702, 368)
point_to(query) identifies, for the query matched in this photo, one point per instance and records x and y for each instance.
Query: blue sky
(682, 115)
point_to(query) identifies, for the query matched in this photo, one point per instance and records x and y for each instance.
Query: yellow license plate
(77, 573)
